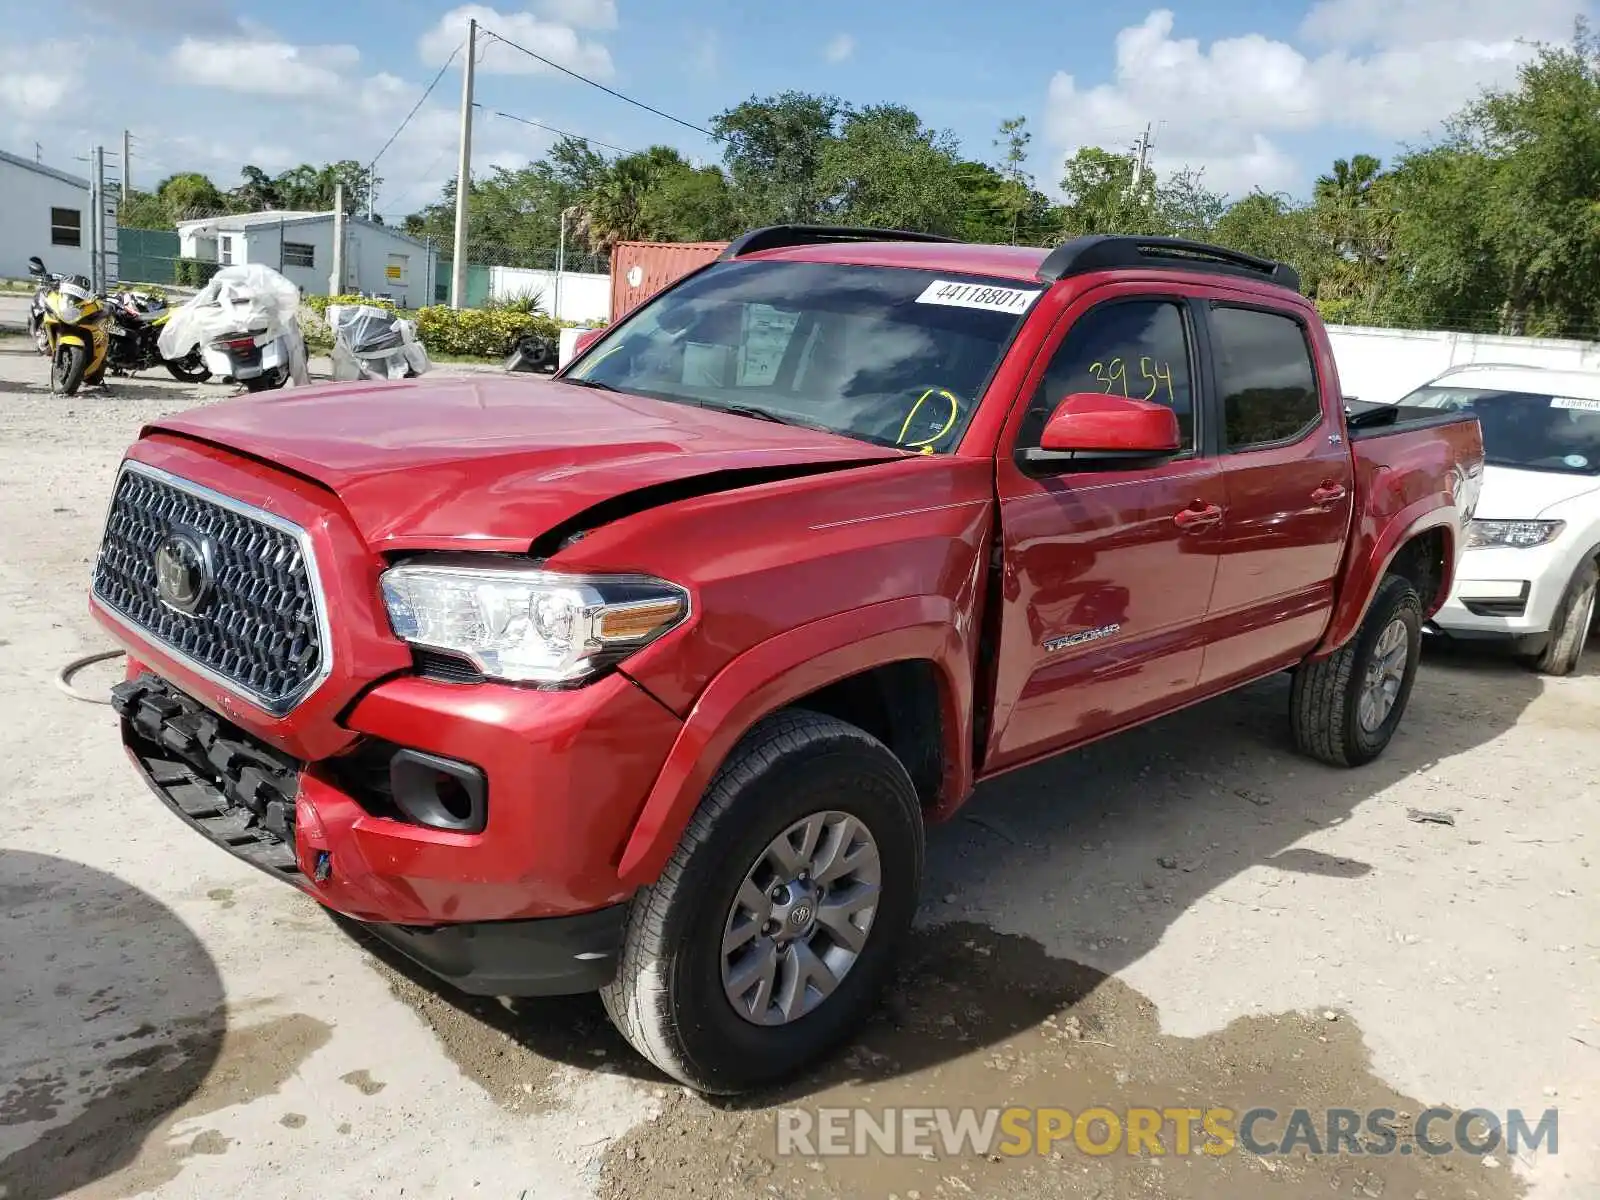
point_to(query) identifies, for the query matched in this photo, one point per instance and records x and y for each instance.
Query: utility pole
(97, 208)
(458, 263)
(336, 280)
(127, 167)
(1141, 156)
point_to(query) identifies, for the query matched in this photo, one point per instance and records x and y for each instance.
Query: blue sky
(1256, 92)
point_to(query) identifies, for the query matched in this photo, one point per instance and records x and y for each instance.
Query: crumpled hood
(1513, 494)
(492, 463)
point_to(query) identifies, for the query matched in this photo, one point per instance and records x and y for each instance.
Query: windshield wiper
(591, 383)
(763, 414)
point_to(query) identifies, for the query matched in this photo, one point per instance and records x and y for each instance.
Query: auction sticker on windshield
(1573, 402)
(978, 295)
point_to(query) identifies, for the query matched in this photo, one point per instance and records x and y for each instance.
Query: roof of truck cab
(960, 258)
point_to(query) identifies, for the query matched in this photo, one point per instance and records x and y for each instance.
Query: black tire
(1574, 618)
(266, 383)
(68, 366)
(41, 340)
(191, 369)
(1325, 701)
(668, 998)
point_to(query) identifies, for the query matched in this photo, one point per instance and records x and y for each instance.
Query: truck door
(1289, 483)
(1106, 570)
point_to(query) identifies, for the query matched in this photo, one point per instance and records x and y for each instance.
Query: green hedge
(489, 333)
(194, 272)
(319, 304)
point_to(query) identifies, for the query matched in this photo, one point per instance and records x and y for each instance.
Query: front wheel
(1345, 708)
(772, 929)
(1573, 620)
(68, 367)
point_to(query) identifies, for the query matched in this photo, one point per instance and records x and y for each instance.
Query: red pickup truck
(648, 679)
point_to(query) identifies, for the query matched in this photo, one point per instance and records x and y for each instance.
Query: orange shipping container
(641, 269)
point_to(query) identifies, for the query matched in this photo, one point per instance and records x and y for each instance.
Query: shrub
(194, 272)
(319, 304)
(530, 302)
(484, 332)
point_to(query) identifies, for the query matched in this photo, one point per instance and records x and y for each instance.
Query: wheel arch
(1420, 544)
(901, 670)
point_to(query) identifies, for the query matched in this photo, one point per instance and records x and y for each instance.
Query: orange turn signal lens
(627, 623)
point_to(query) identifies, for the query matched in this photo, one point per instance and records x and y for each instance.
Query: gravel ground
(1187, 915)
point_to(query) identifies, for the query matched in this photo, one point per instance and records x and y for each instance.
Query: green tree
(886, 170)
(1101, 196)
(189, 194)
(256, 191)
(1016, 194)
(774, 151)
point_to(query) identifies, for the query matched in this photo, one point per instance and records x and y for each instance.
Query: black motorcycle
(135, 330)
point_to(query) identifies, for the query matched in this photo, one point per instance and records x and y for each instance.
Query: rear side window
(1265, 377)
(1137, 348)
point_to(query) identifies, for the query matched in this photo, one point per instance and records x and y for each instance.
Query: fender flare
(1412, 521)
(779, 671)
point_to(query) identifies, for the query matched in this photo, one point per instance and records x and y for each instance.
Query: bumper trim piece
(550, 956)
(231, 789)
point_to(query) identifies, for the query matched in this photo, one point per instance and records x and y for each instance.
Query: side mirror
(1090, 426)
(36, 265)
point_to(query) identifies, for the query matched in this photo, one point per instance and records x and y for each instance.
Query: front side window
(1265, 376)
(1138, 349)
(888, 355)
(1536, 431)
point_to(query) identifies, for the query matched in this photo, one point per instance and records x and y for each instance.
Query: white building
(43, 212)
(377, 260)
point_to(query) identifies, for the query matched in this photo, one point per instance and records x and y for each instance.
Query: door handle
(1196, 518)
(1328, 493)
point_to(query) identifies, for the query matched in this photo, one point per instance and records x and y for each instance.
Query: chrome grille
(260, 630)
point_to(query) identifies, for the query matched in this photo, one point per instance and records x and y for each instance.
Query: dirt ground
(1188, 916)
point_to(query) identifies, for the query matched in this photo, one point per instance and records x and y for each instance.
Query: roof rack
(1101, 251)
(774, 237)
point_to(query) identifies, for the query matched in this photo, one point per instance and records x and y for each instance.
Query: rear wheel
(1344, 709)
(1573, 621)
(275, 378)
(41, 339)
(190, 369)
(773, 927)
(68, 367)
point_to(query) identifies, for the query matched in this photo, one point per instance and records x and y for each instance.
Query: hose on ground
(64, 676)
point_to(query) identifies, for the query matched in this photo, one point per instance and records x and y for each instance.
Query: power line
(415, 108)
(609, 91)
(550, 129)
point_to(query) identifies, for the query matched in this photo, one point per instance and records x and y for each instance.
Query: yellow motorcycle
(75, 327)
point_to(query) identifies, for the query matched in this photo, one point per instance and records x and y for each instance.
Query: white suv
(1530, 567)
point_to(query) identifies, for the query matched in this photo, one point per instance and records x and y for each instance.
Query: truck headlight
(527, 625)
(1519, 535)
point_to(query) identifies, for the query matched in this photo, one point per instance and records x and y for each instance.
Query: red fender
(785, 668)
(1366, 570)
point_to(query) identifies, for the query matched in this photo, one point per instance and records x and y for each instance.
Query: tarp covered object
(373, 343)
(245, 299)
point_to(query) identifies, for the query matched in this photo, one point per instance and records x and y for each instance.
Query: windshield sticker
(1573, 402)
(977, 295)
(1576, 461)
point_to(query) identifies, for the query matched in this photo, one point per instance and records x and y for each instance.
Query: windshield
(884, 354)
(1532, 430)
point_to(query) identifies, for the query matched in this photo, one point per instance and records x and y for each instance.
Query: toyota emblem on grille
(183, 572)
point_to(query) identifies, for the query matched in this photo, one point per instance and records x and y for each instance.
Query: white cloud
(840, 48)
(584, 14)
(1219, 106)
(559, 43)
(264, 68)
(1408, 23)
(37, 81)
